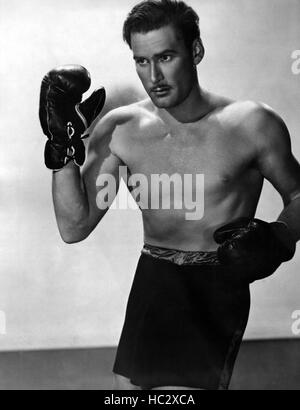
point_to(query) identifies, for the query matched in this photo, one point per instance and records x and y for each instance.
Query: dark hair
(151, 15)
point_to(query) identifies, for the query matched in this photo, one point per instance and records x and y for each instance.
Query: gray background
(56, 295)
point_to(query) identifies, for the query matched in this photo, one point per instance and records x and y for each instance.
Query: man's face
(164, 65)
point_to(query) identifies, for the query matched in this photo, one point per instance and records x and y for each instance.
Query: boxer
(189, 302)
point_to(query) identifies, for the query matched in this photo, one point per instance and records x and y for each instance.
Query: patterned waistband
(181, 257)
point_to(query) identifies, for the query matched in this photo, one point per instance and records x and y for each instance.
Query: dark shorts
(185, 319)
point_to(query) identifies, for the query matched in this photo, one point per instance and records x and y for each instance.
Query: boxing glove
(63, 117)
(255, 247)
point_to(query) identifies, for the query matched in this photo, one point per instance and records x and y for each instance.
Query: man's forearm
(70, 203)
(291, 217)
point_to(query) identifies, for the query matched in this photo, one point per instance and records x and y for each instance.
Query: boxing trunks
(185, 319)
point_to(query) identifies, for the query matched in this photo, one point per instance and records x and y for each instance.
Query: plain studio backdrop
(56, 295)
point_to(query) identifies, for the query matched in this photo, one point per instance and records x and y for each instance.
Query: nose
(156, 73)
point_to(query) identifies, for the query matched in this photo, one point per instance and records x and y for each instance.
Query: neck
(193, 108)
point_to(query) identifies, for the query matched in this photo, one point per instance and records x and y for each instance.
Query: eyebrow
(167, 51)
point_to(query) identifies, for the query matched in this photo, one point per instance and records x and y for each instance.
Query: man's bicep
(101, 178)
(284, 175)
(277, 162)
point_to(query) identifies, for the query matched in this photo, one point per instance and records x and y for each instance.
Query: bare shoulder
(254, 114)
(125, 117)
(258, 122)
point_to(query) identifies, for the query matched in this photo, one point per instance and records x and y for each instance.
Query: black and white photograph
(149, 197)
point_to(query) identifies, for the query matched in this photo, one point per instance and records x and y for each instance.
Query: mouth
(161, 91)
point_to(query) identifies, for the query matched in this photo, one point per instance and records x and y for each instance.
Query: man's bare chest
(213, 151)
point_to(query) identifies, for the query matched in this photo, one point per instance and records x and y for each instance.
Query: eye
(165, 58)
(141, 61)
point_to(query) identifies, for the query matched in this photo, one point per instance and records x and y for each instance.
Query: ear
(198, 51)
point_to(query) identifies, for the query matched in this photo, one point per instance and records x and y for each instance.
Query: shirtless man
(189, 302)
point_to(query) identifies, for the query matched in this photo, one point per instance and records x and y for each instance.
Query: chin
(160, 104)
(164, 102)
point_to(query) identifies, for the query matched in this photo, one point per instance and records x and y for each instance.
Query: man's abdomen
(175, 229)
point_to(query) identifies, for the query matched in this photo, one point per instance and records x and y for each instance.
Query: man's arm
(278, 165)
(257, 248)
(75, 190)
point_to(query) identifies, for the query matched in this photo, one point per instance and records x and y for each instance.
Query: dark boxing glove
(64, 118)
(255, 247)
